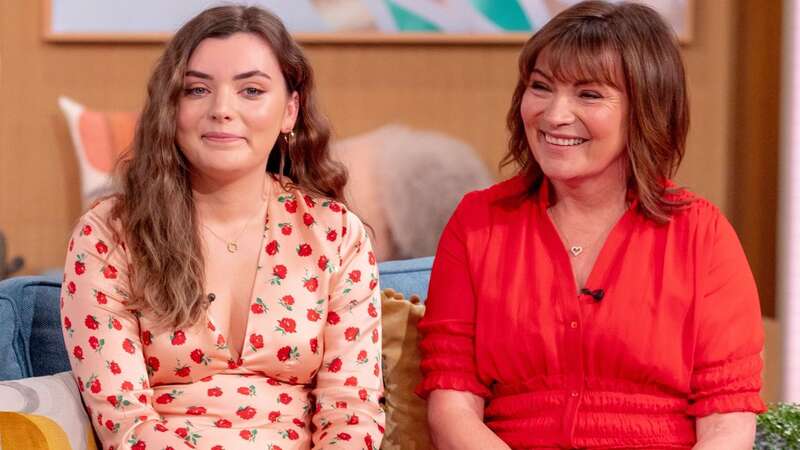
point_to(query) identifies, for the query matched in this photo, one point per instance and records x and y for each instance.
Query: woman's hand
(729, 431)
(455, 419)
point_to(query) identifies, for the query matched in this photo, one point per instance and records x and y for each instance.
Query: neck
(229, 201)
(595, 198)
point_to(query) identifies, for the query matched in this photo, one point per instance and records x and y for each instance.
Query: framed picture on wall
(329, 21)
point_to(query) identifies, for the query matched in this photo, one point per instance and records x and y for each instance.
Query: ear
(290, 113)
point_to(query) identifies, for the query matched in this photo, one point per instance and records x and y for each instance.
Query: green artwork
(506, 14)
(408, 21)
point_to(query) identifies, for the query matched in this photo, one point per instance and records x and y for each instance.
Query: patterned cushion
(55, 397)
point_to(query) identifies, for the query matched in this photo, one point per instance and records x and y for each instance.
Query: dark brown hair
(168, 271)
(587, 41)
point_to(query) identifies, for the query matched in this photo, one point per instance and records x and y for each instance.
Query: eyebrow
(576, 82)
(241, 76)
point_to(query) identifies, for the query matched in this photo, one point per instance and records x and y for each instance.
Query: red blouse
(677, 334)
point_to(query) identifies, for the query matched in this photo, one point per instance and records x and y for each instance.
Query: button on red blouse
(677, 334)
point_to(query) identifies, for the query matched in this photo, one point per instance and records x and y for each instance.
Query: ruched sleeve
(726, 376)
(448, 328)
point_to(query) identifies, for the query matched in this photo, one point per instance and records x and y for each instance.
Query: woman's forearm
(463, 431)
(728, 431)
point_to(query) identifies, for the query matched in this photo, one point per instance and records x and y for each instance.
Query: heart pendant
(576, 250)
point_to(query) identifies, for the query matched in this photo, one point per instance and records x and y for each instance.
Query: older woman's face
(234, 105)
(576, 130)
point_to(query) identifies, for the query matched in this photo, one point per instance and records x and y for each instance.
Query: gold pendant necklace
(233, 245)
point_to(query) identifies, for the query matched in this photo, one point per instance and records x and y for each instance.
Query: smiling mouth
(221, 138)
(562, 142)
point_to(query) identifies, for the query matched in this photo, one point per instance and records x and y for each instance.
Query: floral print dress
(308, 375)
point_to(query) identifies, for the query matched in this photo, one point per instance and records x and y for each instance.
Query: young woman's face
(576, 130)
(233, 106)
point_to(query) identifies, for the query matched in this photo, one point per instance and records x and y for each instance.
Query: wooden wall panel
(463, 90)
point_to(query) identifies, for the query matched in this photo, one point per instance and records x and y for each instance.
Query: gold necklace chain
(233, 245)
(574, 249)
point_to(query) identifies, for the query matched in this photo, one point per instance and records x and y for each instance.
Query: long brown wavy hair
(156, 208)
(586, 41)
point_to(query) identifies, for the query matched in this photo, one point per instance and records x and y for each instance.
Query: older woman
(589, 302)
(226, 299)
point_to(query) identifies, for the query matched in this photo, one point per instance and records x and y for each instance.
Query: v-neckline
(611, 242)
(235, 355)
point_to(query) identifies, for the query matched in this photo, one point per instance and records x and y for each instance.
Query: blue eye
(252, 92)
(195, 91)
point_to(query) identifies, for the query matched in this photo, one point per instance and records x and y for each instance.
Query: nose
(221, 109)
(558, 111)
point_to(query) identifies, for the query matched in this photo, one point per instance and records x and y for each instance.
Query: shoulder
(98, 219)
(697, 210)
(478, 206)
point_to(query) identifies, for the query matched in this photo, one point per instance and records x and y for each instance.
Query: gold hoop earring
(287, 136)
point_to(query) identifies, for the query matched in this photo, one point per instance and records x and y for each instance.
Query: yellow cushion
(406, 422)
(19, 431)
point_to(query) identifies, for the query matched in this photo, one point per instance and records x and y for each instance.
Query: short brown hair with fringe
(585, 41)
(167, 277)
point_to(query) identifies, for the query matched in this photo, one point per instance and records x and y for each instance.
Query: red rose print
(272, 248)
(114, 323)
(341, 404)
(246, 413)
(334, 207)
(311, 284)
(362, 356)
(257, 308)
(286, 325)
(284, 353)
(160, 427)
(291, 206)
(215, 392)
(286, 228)
(314, 345)
(256, 341)
(182, 432)
(352, 420)
(101, 298)
(274, 416)
(223, 423)
(285, 398)
(331, 236)
(333, 318)
(164, 399)
(178, 338)
(87, 230)
(372, 311)
(299, 422)
(94, 386)
(183, 371)
(371, 258)
(71, 287)
(91, 322)
(303, 250)
(372, 283)
(101, 247)
(112, 400)
(292, 434)
(80, 267)
(351, 333)
(308, 219)
(110, 272)
(94, 342)
(312, 315)
(219, 447)
(309, 201)
(196, 410)
(245, 434)
(67, 323)
(127, 345)
(114, 368)
(110, 425)
(287, 301)
(139, 445)
(323, 262)
(355, 276)
(126, 386)
(153, 363)
(147, 337)
(197, 355)
(78, 353)
(351, 381)
(375, 336)
(335, 365)
(279, 271)
(376, 370)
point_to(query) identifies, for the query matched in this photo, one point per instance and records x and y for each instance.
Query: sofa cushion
(407, 276)
(406, 422)
(31, 344)
(50, 407)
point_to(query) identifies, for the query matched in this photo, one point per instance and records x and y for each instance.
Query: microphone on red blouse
(596, 294)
